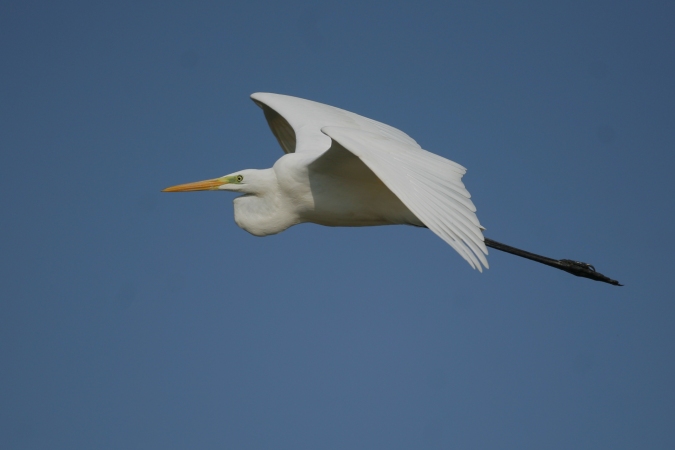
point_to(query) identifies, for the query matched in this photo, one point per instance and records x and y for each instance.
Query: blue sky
(135, 319)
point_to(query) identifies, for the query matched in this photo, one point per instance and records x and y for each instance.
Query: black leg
(577, 268)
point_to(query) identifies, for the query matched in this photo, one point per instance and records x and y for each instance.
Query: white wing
(429, 185)
(297, 123)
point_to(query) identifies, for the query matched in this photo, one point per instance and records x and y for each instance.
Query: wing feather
(445, 231)
(303, 119)
(445, 197)
(471, 230)
(428, 184)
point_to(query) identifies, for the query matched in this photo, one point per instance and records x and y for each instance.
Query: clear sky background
(135, 319)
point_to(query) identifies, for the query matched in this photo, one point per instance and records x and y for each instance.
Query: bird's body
(342, 169)
(343, 192)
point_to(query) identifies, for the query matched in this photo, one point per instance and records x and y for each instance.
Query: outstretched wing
(429, 185)
(297, 123)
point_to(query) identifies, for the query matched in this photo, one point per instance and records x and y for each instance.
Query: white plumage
(342, 169)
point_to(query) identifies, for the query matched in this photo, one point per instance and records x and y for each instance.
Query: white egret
(342, 169)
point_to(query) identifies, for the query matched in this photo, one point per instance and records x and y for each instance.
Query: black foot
(582, 269)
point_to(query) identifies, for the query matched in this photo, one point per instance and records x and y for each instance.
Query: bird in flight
(343, 169)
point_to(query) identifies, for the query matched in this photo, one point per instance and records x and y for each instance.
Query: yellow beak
(206, 185)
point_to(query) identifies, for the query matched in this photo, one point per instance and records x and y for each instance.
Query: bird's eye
(240, 178)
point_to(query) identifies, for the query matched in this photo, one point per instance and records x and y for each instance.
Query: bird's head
(257, 210)
(249, 181)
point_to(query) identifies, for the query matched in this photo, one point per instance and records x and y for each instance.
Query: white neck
(264, 212)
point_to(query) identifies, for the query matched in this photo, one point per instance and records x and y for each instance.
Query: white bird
(343, 169)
